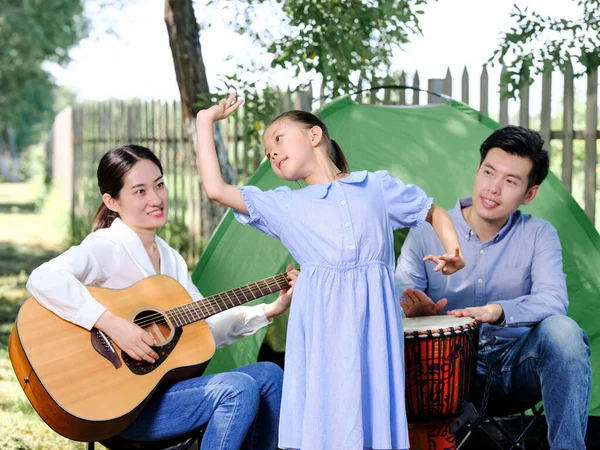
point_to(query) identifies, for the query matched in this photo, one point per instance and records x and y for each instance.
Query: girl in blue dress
(343, 383)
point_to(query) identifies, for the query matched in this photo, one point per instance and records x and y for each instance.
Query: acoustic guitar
(83, 386)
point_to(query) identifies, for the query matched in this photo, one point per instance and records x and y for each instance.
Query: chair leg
(490, 437)
(89, 446)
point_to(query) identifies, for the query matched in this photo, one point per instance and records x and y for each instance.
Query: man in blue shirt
(513, 284)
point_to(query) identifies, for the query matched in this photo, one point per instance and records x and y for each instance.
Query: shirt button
(336, 184)
(351, 247)
(481, 252)
(347, 224)
(343, 202)
(512, 319)
(480, 281)
(466, 236)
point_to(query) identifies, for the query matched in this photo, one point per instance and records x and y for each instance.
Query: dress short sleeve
(267, 211)
(407, 205)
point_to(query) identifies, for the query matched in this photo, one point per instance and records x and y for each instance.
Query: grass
(34, 229)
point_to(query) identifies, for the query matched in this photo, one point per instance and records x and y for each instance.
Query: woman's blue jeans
(240, 409)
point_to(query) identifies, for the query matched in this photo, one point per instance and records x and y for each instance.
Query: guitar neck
(201, 309)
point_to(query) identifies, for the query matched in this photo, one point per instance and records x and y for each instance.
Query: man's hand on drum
(416, 303)
(490, 313)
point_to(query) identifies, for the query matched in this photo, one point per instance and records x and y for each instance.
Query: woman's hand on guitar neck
(128, 336)
(285, 296)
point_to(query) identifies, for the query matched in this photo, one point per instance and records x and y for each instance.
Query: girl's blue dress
(344, 363)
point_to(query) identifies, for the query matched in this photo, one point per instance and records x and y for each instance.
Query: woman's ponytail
(104, 217)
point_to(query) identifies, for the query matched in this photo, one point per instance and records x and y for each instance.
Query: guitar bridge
(102, 345)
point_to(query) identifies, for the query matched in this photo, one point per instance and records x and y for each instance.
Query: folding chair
(491, 425)
(183, 442)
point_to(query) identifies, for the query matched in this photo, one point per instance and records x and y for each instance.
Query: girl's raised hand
(447, 263)
(221, 110)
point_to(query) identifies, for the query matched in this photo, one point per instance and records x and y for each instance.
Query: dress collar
(320, 190)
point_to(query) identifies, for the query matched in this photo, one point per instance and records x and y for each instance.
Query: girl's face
(144, 198)
(289, 148)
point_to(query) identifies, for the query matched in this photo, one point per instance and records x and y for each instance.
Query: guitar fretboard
(201, 309)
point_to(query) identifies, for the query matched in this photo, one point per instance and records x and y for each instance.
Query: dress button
(351, 247)
(343, 202)
(480, 281)
(481, 252)
(336, 184)
(347, 224)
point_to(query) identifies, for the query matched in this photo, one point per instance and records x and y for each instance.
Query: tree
(31, 32)
(184, 39)
(539, 44)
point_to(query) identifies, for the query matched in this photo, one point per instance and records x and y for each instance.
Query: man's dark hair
(522, 142)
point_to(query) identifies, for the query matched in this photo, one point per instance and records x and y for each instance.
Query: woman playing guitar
(240, 408)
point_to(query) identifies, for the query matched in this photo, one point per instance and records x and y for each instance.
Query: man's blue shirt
(520, 268)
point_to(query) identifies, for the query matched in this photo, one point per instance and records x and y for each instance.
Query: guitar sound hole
(156, 325)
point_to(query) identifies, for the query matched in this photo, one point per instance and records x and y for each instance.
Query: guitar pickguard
(163, 351)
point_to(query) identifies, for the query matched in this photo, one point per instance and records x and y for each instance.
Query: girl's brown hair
(309, 120)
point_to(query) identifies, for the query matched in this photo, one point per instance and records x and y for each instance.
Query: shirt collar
(320, 190)
(463, 228)
(133, 245)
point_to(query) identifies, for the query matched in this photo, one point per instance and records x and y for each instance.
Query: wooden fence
(98, 127)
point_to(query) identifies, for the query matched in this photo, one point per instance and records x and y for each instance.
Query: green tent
(435, 147)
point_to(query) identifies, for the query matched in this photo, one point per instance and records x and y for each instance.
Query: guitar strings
(215, 301)
(206, 307)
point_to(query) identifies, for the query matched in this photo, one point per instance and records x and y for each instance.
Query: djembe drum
(440, 359)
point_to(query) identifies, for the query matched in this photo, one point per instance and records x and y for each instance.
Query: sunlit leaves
(336, 39)
(538, 44)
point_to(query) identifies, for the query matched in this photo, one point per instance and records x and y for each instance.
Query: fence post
(545, 125)
(524, 106)
(503, 102)
(591, 135)
(465, 86)
(484, 92)
(63, 167)
(402, 91)
(416, 92)
(568, 122)
(448, 83)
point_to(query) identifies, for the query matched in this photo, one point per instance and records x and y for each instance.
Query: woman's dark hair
(309, 120)
(520, 141)
(111, 170)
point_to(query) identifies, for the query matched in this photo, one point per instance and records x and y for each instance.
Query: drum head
(424, 324)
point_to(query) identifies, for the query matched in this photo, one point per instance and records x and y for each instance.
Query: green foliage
(336, 39)
(32, 163)
(31, 32)
(539, 44)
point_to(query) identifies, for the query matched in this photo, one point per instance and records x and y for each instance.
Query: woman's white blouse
(115, 258)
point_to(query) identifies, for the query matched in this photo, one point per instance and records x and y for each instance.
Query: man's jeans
(241, 408)
(550, 362)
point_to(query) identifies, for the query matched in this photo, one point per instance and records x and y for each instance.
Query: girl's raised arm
(210, 172)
